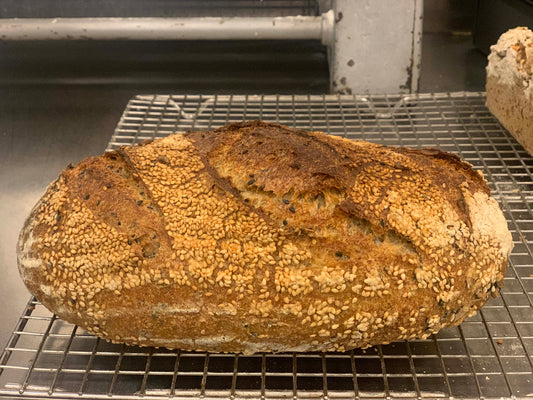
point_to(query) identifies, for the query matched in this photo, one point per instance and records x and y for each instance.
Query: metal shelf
(489, 356)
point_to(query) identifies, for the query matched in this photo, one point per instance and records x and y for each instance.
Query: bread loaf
(257, 237)
(510, 84)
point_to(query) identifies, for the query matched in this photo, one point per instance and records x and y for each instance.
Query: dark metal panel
(240, 66)
(155, 8)
(495, 17)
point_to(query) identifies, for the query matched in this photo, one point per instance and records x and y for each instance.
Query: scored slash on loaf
(258, 237)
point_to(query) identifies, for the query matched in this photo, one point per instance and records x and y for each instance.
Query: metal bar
(309, 113)
(324, 377)
(293, 109)
(443, 366)
(204, 376)
(413, 370)
(354, 376)
(195, 28)
(326, 119)
(116, 372)
(210, 123)
(39, 348)
(294, 376)
(65, 352)
(384, 372)
(261, 107)
(245, 109)
(263, 376)
(142, 390)
(234, 376)
(175, 374)
(13, 340)
(88, 369)
(471, 362)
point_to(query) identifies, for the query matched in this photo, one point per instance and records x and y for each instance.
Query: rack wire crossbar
(489, 356)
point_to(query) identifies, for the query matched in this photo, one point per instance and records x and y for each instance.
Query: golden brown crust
(258, 237)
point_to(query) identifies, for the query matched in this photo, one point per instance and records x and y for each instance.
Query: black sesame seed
(245, 152)
(441, 303)
(108, 185)
(246, 200)
(286, 201)
(291, 209)
(58, 217)
(139, 202)
(284, 222)
(251, 175)
(382, 223)
(163, 159)
(98, 202)
(338, 254)
(87, 197)
(251, 182)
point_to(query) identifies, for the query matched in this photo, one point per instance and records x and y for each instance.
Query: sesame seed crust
(257, 237)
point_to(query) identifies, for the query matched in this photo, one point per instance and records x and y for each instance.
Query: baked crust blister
(257, 237)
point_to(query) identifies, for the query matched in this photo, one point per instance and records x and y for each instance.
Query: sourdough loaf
(510, 85)
(257, 237)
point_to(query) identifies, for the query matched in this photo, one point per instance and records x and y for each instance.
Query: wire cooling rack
(489, 356)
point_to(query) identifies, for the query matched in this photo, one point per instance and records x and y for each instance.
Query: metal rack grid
(488, 356)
